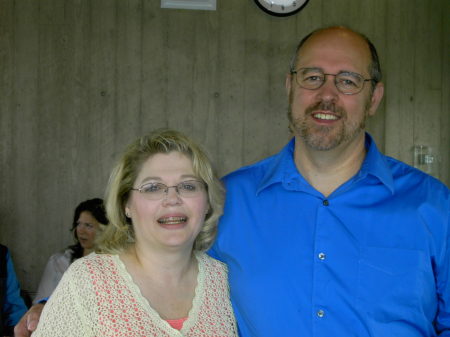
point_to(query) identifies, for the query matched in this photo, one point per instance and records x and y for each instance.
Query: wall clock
(281, 7)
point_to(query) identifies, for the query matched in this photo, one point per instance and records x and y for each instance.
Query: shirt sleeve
(70, 311)
(14, 307)
(56, 266)
(442, 322)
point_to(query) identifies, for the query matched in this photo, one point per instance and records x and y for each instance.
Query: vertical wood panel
(54, 122)
(80, 179)
(128, 48)
(204, 85)
(24, 191)
(6, 117)
(444, 169)
(180, 70)
(256, 81)
(428, 87)
(103, 89)
(399, 80)
(153, 112)
(230, 96)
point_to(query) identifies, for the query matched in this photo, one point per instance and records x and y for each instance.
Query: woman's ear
(127, 212)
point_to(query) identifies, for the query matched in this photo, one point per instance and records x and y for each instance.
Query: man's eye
(151, 188)
(312, 78)
(349, 81)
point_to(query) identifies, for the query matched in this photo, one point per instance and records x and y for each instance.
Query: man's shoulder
(409, 181)
(251, 172)
(402, 171)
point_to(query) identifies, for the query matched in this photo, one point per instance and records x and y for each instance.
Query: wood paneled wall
(80, 79)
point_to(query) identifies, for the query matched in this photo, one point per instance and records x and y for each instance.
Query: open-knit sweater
(97, 297)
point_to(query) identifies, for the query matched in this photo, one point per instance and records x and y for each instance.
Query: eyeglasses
(346, 82)
(158, 191)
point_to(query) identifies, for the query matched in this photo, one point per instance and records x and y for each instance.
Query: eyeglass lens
(156, 191)
(346, 82)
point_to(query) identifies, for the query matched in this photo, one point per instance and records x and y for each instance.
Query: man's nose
(328, 91)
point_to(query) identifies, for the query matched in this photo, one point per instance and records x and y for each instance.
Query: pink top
(176, 323)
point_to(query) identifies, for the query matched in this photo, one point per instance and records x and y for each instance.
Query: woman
(89, 218)
(151, 276)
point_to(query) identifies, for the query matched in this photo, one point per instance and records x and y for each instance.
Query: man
(329, 238)
(11, 303)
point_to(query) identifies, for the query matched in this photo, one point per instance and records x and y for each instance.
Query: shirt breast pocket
(394, 283)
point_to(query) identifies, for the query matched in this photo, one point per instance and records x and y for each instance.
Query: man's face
(326, 118)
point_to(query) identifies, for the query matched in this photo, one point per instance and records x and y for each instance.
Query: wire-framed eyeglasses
(346, 82)
(158, 191)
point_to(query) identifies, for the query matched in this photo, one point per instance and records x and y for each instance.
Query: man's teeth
(172, 220)
(325, 116)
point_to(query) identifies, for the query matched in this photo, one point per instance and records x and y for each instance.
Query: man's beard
(323, 137)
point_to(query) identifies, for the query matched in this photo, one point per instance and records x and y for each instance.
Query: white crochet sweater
(97, 297)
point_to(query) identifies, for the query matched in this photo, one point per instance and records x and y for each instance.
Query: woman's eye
(188, 187)
(151, 188)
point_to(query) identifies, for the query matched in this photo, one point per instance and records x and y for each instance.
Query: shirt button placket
(320, 313)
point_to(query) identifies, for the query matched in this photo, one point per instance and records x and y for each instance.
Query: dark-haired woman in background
(89, 218)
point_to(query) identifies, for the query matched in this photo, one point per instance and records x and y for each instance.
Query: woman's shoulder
(95, 259)
(96, 264)
(211, 263)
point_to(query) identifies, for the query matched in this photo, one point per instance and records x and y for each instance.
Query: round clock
(281, 7)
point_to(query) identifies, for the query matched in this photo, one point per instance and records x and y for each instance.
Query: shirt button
(320, 313)
(322, 256)
(325, 202)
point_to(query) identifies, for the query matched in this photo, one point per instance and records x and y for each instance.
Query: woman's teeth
(172, 220)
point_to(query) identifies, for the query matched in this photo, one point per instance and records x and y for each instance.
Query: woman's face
(167, 220)
(87, 227)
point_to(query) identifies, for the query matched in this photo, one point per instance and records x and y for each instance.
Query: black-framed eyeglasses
(346, 82)
(158, 191)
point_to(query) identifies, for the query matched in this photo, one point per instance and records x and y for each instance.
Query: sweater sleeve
(71, 310)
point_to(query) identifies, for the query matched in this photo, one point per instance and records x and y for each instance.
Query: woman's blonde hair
(120, 234)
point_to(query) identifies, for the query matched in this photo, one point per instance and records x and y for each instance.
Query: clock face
(281, 7)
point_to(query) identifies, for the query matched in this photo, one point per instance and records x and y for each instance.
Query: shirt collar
(282, 168)
(375, 164)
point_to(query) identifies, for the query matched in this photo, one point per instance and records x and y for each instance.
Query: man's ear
(377, 96)
(288, 83)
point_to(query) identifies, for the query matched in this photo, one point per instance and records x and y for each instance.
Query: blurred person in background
(89, 218)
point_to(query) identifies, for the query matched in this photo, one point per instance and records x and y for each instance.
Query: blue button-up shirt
(372, 259)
